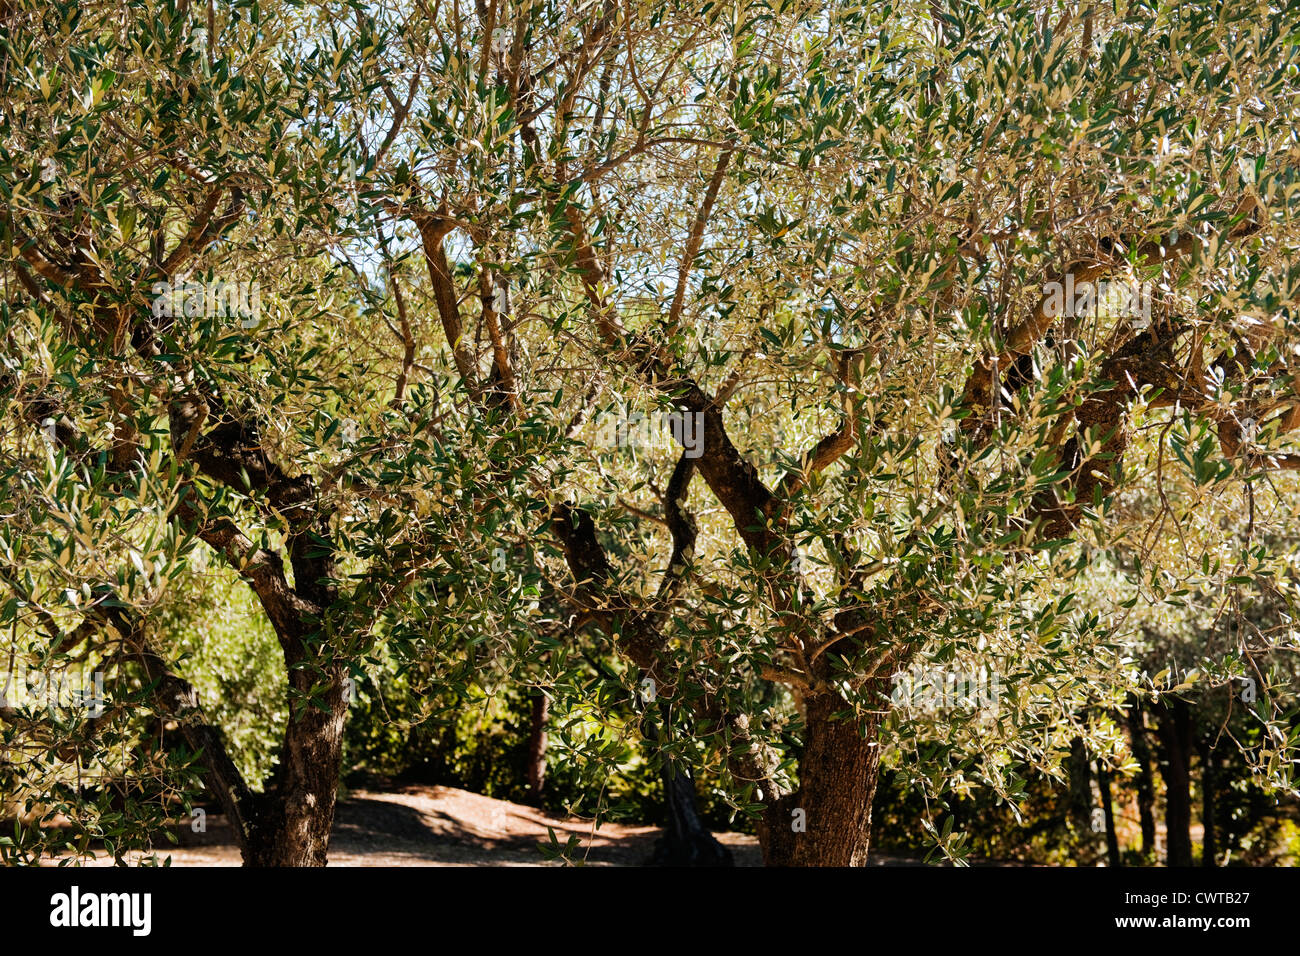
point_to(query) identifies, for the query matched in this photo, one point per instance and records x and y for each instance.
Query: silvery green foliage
(473, 243)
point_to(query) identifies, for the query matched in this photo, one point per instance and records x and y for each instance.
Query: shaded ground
(443, 826)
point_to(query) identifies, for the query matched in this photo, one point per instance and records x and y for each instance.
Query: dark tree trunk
(536, 769)
(827, 821)
(1145, 789)
(1209, 782)
(1174, 730)
(1080, 774)
(686, 840)
(1112, 838)
(293, 823)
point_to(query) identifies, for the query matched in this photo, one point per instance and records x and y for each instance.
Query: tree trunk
(686, 840)
(1079, 768)
(1112, 839)
(1173, 728)
(1209, 781)
(293, 822)
(536, 769)
(1145, 789)
(827, 821)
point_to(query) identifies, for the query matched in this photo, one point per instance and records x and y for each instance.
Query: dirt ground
(442, 826)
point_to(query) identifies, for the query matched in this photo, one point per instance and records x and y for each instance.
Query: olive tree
(919, 275)
(185, 373)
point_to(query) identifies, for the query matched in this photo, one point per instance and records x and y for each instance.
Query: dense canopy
(778, 397)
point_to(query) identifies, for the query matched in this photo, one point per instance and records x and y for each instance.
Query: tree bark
(1113, 857)
(1145, 789)
(1209, 783)
(1080, 772)
(827, 821)
(293, 823)
(536, 769)
(1173, 730)
(686, 840)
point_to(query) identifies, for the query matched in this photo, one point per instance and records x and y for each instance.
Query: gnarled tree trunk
(294, 819)
(686, 840)
(827, 821)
